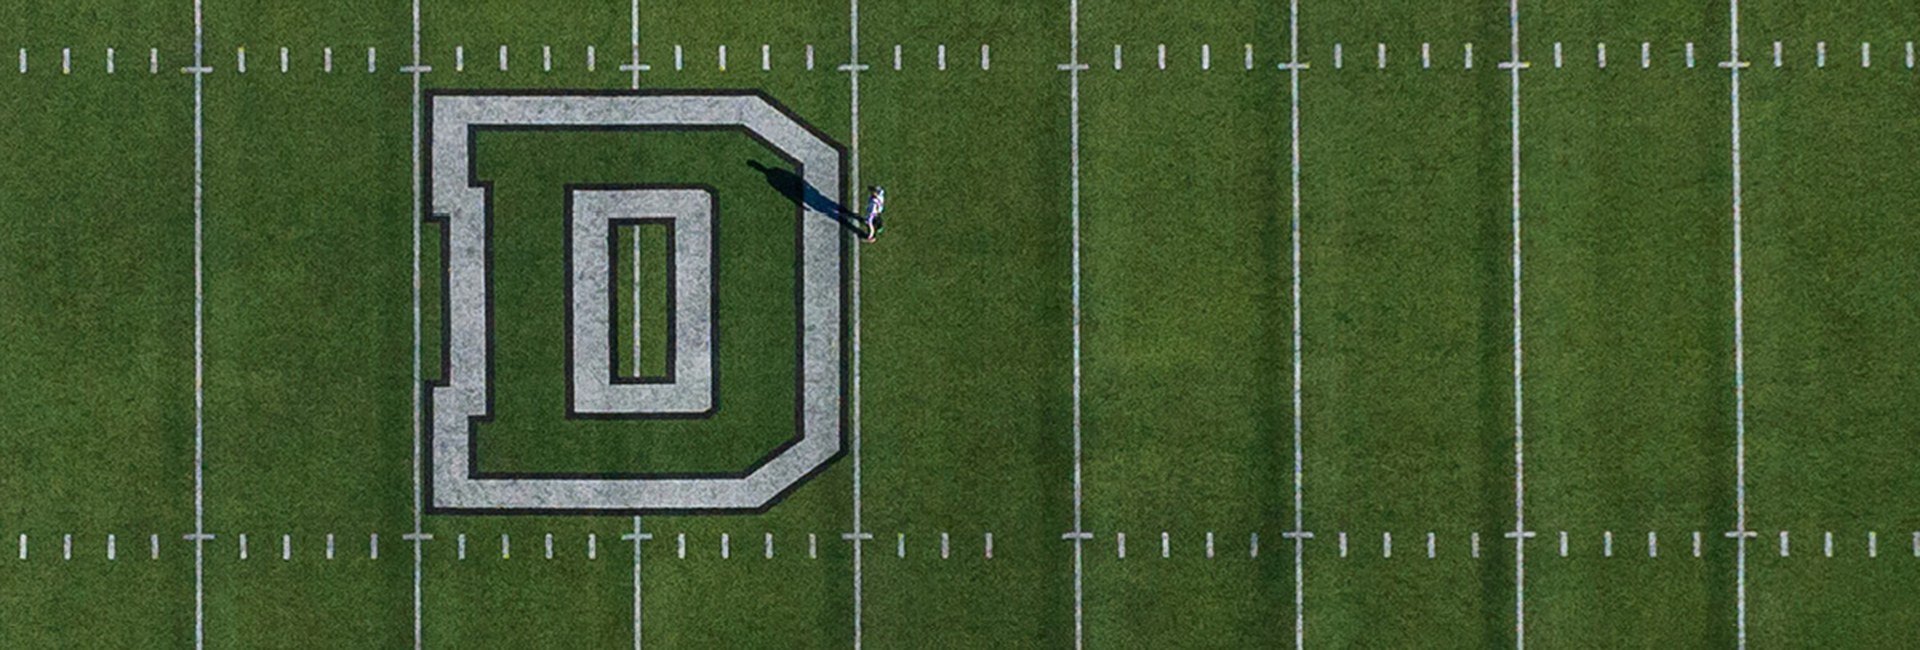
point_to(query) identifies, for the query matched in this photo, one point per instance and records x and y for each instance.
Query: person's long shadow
(797, 190)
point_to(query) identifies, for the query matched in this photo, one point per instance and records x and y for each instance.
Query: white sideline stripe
(503, 58)
(109, 60)
(1689, 54)
(463, 545)
(1073, 81)
(1426, 56)
(327, 59)
(1741, 533)
(1206, 57)
(419, 603)
(637, 536)
(200, 535)
(1163, 56)
(1607, 544)
(459, 60)
(1166, 549)
(860, 534)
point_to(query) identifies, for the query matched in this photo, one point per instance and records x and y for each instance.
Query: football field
(1207, 324)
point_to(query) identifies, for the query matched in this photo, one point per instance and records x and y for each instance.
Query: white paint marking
(546, 58)
(813, 547)
(240, 59)
(1381, 52)
(1741, 533)
(1343, 543)
(1696, 543)
(1163, 56)
(1253, 545)
(1909, 55)
(286, 547)
(66, 60)
(1469, 56)
(1556, 55)
(769, 546)
(112, 552)
(153, 61)
(1777, 47)
(896, 56)
(726, 546)
(283, 60)
(329, 546)
(766, 57)
(1209, 544)
(1563, 543)
(678, 61)
(66, 546)
(1602, 50)
(1520, 532)
(1916, 545)
(549, 546)
(593, 547)
(1120, 544)
(1166, 548)
(1432, 547)
(945, 546)
(1386, 544)
(681, 545)
(1689, 54)
(370, 61)
(1338, 60)
(153, 545)
(989, 543)
(1646, 55)
(1206, 57)
(463, 546)
(23, 545)
(503, 58)
(200, 535)
(809, 57)
(591, 62)
(23, 60)
(1080, 535)
(1826, 546)
(1249, 55)
(1653, 544)
(940, 57)
(1866, 55)
(326, 62)
(1426, 56)
(1873, 544)
(506, 547)
(723, 58)
(637, 536)
(901, 544)
(243, 546)
(1116, 56)
(1821, 54)
(1607, 544)
(459, 58)
(1783, 543)
(1474, 542)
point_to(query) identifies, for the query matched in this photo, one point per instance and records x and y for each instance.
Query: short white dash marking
(1873, 544)
(1909, 54)
(153, 61)
(240, 59)
(506, 547)
(1607, 543)
(1163, 56)
(593, 547)
(1386, 544)
(813, 546)
(766, 57)
(1783, 543)
(1120, 545)
(1866, 55)
(1253, 545)
(591, 62)
(726, 546)
(373, 545)
(1820, 54)
(810, 57)
(1689, 54)
(23, 60)
(900, 543)
(769, 546)
(111, 551)
(460, 58)
(1381, 52)
(1653, 544)
(1777, 60)
(1249, 55)
(896, 56)
(680, 545)
(1206, 57)
(109, 60)
(1556, 54)
(986, 61)
(1116, 56)
(723, 58)
(153, 546)
(1602, 54)
(549, 546)
(1343, 543)
(1696, 543)
(946, 546)
(1432, 547)
(329, 546)
(326, 60)
(989, 546)
(1166, 548)
(1826, 545)
(1469, 56)
(23, 544)
(283, 60)
(1474, 541)
(1209, 544)
(463, 546)
(679, 61)
(66, 546)
(940, 57)
(371, 57)
(66, 60)
(503, 58)
(243, 546)
(1646, 55)
(1338, 61)
(546, 58)
(286, 547)
(1563, 543)
(1426, 56)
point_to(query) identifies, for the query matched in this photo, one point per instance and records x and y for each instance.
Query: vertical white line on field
(1299, 533)
(109, 60)
(1520, 532)
(1079, 534)
(1740, 532)
(637, 537)
(418, 536)
(199, 332)
(859, 535)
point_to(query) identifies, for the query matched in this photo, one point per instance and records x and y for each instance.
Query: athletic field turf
(1375, 324)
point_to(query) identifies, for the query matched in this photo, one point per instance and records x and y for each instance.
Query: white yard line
(1740, 532)
(1520, 532)
(1079, 535)
(418, 536)
(637, 537)
(199, 535)
(1299, 533)
(859, 535)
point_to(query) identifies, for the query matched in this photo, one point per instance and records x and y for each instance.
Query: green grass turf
(965, 309)
(1188, 327)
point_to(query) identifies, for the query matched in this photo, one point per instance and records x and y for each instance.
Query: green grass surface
(967, 411)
